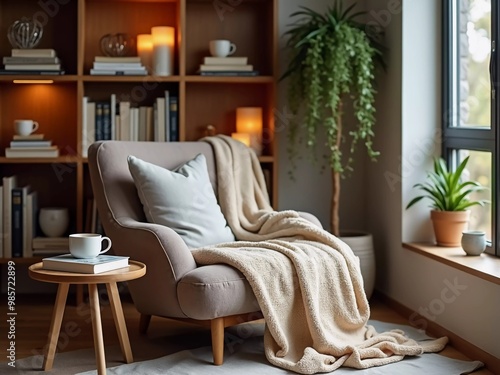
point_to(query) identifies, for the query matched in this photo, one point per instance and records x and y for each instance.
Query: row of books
(227, 66)
(19, 212)
(31, 146)
(32, 61)
(124, 121)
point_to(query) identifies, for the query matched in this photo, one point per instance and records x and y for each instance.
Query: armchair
(174, 286)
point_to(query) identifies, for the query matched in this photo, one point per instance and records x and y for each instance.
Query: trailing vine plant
(333, 59)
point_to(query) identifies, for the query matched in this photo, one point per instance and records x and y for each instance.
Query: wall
(409, 117)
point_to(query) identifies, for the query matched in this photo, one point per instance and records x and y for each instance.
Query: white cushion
(183, 200)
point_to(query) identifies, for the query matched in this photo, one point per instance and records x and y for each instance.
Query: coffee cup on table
(25, 127)
(87, 245)
(221, 48)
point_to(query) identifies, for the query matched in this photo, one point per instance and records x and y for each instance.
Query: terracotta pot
(361, 244)
(448, 226)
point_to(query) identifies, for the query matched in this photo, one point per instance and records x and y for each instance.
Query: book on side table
(99, 264)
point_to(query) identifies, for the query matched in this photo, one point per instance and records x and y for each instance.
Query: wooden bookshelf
(74, 29)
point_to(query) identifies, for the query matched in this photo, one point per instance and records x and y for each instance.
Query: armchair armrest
(310, 217)
(167, 259)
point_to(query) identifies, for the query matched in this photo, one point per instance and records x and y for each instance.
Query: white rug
(246, 357)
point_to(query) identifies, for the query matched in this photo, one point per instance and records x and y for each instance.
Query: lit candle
(163, 50)
(249, 120)
(242, 137)
(145, 50)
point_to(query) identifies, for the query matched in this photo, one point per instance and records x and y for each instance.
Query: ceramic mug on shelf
(87, 245)
(25, 127)
(221, 48)
(474, 242)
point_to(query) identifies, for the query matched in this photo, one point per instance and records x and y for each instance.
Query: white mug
(221, 48)
(25, 127)
(87, 245)
(474, 242)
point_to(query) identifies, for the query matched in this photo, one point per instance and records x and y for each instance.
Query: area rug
(244, 355)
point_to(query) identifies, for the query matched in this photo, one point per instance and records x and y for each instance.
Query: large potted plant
(450, 201)
(332, 60)
(332, 67)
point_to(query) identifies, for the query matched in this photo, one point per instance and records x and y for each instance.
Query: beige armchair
(174, 286)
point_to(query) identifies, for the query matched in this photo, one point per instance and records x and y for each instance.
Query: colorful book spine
(106, 121)
(174, 118)
(17, 222)
(99, 121)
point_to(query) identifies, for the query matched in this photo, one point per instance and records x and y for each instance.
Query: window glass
(474, 46)
(479, 169)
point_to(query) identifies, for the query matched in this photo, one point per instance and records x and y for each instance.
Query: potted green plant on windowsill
(450, 201)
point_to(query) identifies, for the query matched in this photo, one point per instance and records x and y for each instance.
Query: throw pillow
(182, 199)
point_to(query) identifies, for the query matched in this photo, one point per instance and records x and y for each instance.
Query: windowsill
(484, 266)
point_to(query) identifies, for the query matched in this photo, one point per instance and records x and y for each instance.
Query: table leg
(121, 327)
(97, 329)
(55, 326)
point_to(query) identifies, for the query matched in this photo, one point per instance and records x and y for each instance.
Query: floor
(34, 313)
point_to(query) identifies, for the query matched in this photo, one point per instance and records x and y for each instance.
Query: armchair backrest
(109, 172)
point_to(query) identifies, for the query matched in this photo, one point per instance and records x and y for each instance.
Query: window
(470, 103)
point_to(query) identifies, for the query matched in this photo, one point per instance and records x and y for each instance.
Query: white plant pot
(361, 244)
(54, 221)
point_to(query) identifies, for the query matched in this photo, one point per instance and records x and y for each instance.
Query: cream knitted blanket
(307, 281)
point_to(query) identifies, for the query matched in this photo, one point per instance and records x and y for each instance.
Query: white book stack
(43, 246)
(32, 61)
(107, 65)
(227, 66)
(31, 146)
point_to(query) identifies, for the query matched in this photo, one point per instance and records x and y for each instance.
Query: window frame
(481, 139)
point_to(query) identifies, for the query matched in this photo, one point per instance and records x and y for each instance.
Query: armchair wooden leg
(144, 323)
(217, 330)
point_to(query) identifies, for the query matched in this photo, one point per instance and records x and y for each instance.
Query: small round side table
(110, 278)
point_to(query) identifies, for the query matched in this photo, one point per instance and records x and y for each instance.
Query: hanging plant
(333, 60)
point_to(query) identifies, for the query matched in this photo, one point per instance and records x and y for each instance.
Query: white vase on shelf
(54, 221)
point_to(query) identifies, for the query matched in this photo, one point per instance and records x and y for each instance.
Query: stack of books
(99, 264)
(227, 66)
(43, 246)
(32, 61)
(31, 146)
(127, 66)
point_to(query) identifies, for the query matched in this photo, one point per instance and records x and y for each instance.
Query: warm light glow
(42, 81)
(242, 137)
(249, 120)
(163, 35)
(163, 50)
(145, 49)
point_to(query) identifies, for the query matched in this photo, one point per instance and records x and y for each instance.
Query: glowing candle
(145, 50)
(249, 120)
(242, 137)
(163, 50)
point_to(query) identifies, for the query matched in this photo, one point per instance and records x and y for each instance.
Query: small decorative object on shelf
(54, 221)
(25, 33)
(145, 50)
(115, 45)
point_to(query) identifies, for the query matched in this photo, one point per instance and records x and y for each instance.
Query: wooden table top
(134, 270)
